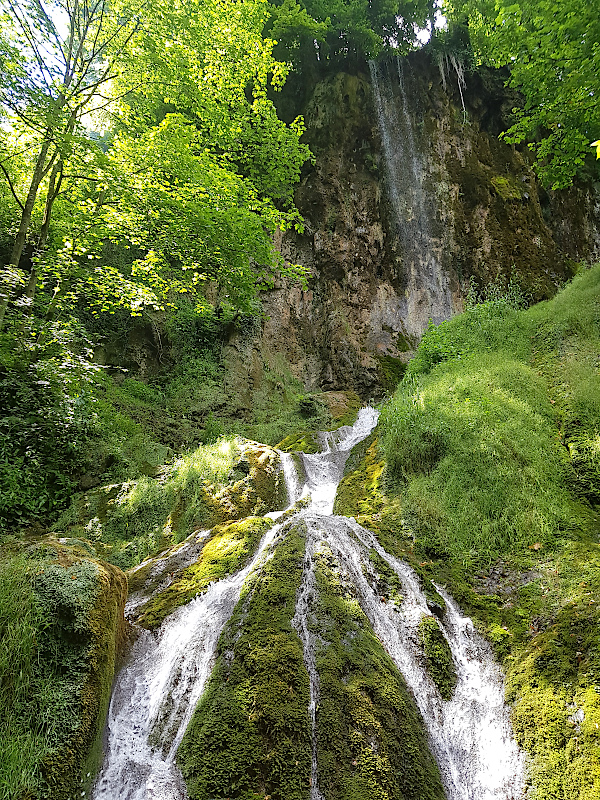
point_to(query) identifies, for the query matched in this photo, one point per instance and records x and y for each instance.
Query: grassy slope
(492, 479)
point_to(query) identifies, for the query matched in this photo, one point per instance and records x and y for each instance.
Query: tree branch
(12, 188)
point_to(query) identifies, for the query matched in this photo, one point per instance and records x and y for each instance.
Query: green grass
(491, 446)
(493, 443)
(21, 741)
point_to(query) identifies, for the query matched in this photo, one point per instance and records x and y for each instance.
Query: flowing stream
(156, 693)
(413, 206)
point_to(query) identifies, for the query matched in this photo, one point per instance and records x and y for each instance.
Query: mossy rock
(301, 442)
(359, 492)
(228, 549)
(250, 734)
(129, 522)
(438, 658)
(507, 187)
(371, 737)
(81, 630)
(343, 406)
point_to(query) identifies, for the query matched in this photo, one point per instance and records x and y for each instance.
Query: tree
(73, 50)
(333, 31)
(554, 59)
(128, 67)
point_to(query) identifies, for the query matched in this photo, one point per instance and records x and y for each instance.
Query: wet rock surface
(369, 294)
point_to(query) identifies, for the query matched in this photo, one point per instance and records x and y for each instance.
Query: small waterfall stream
(156, 693)
(413, 207)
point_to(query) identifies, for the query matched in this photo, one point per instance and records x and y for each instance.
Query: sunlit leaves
(553, 52)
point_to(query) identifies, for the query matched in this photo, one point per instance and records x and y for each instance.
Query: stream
(155, 694)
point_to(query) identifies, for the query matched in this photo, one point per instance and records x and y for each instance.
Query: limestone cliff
(411, 196)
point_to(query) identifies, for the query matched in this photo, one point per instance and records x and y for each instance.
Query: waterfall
(427, 284)
(155, 694)
(306, 597)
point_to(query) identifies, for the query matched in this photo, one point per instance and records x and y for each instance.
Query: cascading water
(155, 695)
(428, 291)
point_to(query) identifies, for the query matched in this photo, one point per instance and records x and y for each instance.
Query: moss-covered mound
(301, 442)
(371, 741)
(128, 522)
(61, 625)
(438, 657)
(250, 735)
(492, 469)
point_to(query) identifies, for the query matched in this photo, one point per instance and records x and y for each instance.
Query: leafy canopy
(331, 31)
(553, 53)
(193, 174)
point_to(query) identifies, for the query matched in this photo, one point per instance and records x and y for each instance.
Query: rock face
(411, 196)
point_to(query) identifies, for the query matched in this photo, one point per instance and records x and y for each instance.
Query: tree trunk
(21, 237)
(53, 190)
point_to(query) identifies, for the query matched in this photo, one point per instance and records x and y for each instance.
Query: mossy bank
(61, 628)
(484, 478)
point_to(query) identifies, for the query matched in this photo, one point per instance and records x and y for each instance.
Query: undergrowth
(130, 521)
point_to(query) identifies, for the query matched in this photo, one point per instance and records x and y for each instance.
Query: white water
(470, 735)
(155, 695)
(427, 285)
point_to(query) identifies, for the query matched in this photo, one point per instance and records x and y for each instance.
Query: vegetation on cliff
(552, 54)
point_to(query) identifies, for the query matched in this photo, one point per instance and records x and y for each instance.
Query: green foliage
(370, 734)
(440, 664)
(47, 416)
(344, 29)
(250, 734)
(554, 60)
(127, 522)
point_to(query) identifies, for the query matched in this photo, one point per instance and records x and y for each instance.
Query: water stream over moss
(364, 696)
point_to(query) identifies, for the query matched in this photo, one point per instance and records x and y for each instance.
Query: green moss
(77, 627)
(370, 734)
(359, 493)
(391, 371)
(250, 735)
(438, 657)
(227, 551)
(129, 522)
(507, 187)
(389, 586)
(301, 442)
